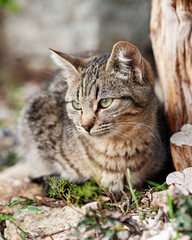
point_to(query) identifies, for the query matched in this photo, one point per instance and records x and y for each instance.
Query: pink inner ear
(123, 59)
(128, 54)
(124, 56)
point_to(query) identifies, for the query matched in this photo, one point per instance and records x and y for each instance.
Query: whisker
(121, 134)
(106, 125)
(153, 133)
(141, 124)
(142, 155)
(131, 140)
(50, 73)
(54, 75)
(101, 130)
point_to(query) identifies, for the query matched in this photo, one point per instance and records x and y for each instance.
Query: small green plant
(133, 194)
(25, 205)
(182, 212)
(170, 204)
(72, 193)
(3, 218)
(157, 186)
(107, 225)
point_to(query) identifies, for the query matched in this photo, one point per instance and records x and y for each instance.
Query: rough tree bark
(171, 36)
(181, 148)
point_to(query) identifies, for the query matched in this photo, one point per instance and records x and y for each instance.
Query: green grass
(157, 186)
(170, 204)
(133, 194)
(72, 193)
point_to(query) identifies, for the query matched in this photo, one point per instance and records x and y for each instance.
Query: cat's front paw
(114, 188)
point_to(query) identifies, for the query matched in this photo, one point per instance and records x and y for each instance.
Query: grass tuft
(72, 193)
(133, 194)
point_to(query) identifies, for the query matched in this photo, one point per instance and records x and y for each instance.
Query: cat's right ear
(124, 59)
(68, 64)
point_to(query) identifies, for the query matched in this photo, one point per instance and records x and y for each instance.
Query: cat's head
(107, 92)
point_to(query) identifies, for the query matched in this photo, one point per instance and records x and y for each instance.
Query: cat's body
(99, 123)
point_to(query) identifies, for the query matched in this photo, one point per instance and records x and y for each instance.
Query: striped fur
(124, 135)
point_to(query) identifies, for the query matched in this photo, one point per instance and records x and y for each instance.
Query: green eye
(106, 102)
(76, 105)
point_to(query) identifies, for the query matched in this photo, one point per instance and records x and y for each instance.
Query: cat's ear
(125, 58)
(68, 64)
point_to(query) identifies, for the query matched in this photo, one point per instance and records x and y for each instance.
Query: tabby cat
(98, 117)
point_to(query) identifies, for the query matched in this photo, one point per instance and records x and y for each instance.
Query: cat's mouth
(97, 130)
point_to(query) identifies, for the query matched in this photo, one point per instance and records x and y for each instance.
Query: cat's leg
(114, 182)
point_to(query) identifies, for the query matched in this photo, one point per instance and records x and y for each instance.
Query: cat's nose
(88, 127)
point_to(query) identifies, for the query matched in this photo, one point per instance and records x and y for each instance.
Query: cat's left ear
(125, 58)
(68, 64)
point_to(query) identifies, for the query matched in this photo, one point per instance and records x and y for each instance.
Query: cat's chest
(113, 148)
(116, 155)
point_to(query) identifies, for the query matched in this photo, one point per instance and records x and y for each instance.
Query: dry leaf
(181, 180)
(159, 199)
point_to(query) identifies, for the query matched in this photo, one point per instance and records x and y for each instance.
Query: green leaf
(5, 217)
(149, 215)
(157, 185)
(32, 208)
(110, 220)
(38, 235)
(20, 210)
(133, 194)
(90, 238)
(3, 237)
(109, 233)
(75, 233)
(106, 206)
(22, 236)
(97, 226)
(14, 202)
(170, 204)
(187, 224)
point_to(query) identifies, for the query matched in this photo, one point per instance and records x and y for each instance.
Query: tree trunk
(171, 36)
(181, 148)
